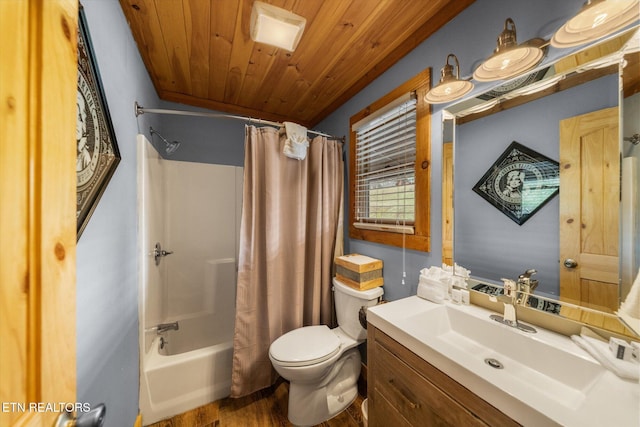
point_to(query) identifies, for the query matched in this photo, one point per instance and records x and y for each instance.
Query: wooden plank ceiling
(199, 52)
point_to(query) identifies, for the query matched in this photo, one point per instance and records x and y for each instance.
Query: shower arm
(169, 147)
(152, 131)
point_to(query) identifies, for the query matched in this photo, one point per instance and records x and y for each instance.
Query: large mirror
(541, 173)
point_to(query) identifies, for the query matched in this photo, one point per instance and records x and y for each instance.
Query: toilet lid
(305, 346)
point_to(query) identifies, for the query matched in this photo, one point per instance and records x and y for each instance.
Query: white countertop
(527, 396)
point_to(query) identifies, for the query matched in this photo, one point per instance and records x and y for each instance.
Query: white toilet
(322, 364)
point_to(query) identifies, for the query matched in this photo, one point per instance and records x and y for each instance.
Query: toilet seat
(305, 346)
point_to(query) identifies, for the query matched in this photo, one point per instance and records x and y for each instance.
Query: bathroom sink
(536, 379)
(502, 351)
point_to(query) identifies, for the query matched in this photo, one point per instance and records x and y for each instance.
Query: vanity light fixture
(510, 59)
(597, 18)
(450, 87)
(275, 26)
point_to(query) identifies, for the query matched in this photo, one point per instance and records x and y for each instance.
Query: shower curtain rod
(139, 109)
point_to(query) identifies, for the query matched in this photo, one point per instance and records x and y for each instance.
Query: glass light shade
(275, 26)
(536, 87)
(478, 108)
(508, 64)
(596, 19)
(448, 91)
(509, 58)
(450, 88)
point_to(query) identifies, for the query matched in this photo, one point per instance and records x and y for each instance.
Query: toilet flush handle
(362, 316)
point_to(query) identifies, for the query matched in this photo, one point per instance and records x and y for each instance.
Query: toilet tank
(348, 303)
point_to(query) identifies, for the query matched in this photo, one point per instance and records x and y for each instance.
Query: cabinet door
(404, 389)
(416, 398)
(385, 413)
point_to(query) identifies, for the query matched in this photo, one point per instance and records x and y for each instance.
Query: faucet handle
(527, 274)
(510, 288)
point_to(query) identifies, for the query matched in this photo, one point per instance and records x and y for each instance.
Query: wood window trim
(421, 239)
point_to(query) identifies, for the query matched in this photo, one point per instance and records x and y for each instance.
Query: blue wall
(107, 267)
(204, 139)
(471, 36)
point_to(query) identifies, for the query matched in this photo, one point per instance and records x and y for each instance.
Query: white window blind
(385, 168)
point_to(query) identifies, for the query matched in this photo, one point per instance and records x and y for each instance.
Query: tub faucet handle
(158, 253)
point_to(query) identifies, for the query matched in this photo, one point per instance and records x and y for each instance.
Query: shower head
(169, 147)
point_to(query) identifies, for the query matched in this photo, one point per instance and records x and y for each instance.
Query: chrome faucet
(526, 283)
(164, 327)
(511, 297)
(525, 286)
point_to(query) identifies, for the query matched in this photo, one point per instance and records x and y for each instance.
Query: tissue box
(359, 271)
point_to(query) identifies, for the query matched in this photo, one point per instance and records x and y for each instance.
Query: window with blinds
(389, 168)
(385, 168)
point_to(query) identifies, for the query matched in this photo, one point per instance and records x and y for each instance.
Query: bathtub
(190, 367)
(184, 374)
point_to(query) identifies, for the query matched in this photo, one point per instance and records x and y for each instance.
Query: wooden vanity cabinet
(405, 390)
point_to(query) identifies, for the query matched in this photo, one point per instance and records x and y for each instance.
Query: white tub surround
(191, 209)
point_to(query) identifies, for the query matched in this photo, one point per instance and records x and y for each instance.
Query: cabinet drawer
(383, 414)
(416, 398)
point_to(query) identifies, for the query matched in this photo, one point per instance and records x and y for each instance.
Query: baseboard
(138, 422)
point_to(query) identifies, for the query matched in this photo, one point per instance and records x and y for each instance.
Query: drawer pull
(411, 404)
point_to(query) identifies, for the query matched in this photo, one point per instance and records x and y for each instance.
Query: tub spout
(164, 327)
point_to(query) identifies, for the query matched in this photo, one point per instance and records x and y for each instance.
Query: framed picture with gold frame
(519, 182)
(97, 148)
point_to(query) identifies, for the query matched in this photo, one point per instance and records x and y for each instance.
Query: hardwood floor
(262, 409)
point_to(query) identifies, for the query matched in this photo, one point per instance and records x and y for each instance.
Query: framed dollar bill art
(519, 182)
(97, 149)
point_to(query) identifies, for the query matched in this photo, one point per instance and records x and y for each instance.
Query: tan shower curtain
(290, 231)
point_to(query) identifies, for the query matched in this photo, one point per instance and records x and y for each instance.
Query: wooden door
(589, 209)
(447, 203)
(38, 75)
